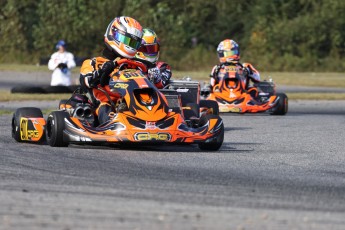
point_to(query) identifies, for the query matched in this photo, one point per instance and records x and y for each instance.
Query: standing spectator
(61, 62)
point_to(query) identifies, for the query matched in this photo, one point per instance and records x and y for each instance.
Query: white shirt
(59, 77)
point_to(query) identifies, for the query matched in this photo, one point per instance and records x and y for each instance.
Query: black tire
(23, 112)
(27, 89)
(216, 143)
(282, 106)
(210, 104)
(187, 114)
(54, 129)
(57, 89)
(195, 108)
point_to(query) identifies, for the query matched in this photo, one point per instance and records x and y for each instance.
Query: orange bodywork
(126, 131)
(231, 96)
(32, 129)
(147, 118)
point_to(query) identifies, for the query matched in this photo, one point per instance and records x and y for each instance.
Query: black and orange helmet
(123, 36)
(228, 51)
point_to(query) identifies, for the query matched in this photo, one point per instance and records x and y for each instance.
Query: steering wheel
(130, 62)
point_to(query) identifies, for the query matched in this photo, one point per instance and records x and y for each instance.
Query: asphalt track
(272, 172)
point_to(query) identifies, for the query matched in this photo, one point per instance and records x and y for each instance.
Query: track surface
(273, 172)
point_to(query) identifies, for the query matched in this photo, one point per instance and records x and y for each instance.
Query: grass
(23, 68)
(283, 78)
(280, 78)
(9, 112)
(8, 96)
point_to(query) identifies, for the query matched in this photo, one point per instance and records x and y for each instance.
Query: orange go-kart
(142, 115)
(231, 95)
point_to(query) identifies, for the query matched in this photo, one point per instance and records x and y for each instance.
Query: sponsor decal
(120, 86)
(182, 90)
(152, 136)
(231, 68)
(235, 110)
(150, 125)
(131, 75)
(25, 133)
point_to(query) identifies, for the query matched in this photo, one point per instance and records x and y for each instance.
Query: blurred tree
(15, 30)
(81, 23)
(279, 35)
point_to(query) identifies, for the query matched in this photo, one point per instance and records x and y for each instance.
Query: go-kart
(188, 92)
(142, 114)
(233, 94)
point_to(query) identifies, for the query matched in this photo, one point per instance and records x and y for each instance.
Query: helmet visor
(127, 39)
(228, 53)
(149, 50)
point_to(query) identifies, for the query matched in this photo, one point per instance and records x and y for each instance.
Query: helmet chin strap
(109, 53)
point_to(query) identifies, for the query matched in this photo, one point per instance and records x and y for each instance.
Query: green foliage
(276, 35)
(299, 35)
(81, 23)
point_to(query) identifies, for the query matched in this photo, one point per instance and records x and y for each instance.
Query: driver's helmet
(228, 51)
(123, 36)
(149, 49)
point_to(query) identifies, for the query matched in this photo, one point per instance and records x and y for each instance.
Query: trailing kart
(231, 96)
(188, 92)
(141, 115)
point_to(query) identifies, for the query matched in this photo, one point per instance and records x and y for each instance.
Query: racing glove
(165, 71)
(154, 75)
(247, 71)
(104, 73)
(165, 75)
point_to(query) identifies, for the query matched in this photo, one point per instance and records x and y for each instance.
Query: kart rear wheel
(282, 106)
(217, 142)
(188, 114)
(195, 108)
(211, 105)
(23, 112)
(54, 129)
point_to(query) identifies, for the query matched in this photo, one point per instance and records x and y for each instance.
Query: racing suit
(90, 74)
(252, 73)
(92, 70)
(61, 63)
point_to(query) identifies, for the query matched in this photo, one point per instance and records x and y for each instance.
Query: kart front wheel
(18, 114)
(54, 129)
(217, 141)
(282, 105)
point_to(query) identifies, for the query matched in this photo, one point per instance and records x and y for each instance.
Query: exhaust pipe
(83, 112)
(79, 112)
(87, 111)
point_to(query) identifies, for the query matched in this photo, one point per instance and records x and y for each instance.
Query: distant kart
(141, 115)
(231, 96)
(188, 92)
